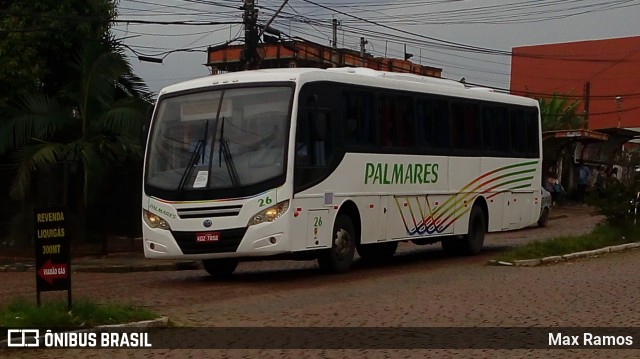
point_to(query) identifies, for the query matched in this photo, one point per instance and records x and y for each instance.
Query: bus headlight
(269, 214)
(154, 221)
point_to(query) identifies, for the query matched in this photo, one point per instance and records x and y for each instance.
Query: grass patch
(602, 236)
(21, 313)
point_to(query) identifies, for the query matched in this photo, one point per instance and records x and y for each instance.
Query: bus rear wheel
(472, 242)
(544, 218)
(338, 259)
(220, 267)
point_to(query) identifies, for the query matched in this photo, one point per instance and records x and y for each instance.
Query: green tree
(95, 121)
(38, 39)
(559, 113)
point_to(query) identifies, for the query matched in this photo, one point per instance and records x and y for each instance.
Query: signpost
(53, 269)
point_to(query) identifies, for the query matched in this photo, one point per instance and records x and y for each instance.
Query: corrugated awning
(555, 141)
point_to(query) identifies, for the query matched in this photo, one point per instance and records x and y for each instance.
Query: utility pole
(362, 43)
(335, 33)
(619, 106)
(587, 96)
(250, 19)
(407, 55)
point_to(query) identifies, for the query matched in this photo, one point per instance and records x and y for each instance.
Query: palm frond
(37, 117)
(130, 84)
(134, 86)
(128, 148)
(100, 70)
(124, 117)
(559, 113)
(32, 159)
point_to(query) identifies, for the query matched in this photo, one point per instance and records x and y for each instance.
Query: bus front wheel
(220, 268)
(338, 259)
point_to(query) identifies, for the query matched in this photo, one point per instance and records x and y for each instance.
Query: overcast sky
(430, 30)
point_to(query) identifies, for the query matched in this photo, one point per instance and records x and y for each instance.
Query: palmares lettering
(399, 173)
(50, 217)
(161, 211)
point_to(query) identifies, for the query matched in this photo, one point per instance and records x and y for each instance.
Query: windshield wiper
(197, 152)
(228, 160)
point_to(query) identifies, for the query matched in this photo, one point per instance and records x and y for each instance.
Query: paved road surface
(420, 288)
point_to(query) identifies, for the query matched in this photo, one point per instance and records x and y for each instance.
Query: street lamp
(150, 59)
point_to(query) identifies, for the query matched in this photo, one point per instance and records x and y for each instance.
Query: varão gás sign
(53, 269)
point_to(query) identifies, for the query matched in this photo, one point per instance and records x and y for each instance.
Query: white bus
(319, 163)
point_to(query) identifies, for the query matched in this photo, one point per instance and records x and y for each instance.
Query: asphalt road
(420, 288)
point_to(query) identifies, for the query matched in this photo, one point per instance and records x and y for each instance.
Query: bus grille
(208, 212)
(228, 241)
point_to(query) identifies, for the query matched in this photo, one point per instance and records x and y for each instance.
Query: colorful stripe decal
(490, 184)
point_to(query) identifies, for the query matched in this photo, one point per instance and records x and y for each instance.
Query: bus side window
(518, 131)
(358, 109)
(406, 125)
(495, 129)
(313, 145)
(441, 124)
(321, 146)
(466, 126)
(531, 123)
(432, 119)
(303, 157)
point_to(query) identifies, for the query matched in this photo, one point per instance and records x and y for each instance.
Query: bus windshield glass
(221, 139)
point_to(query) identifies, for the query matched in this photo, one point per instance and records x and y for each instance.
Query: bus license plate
(207, 237)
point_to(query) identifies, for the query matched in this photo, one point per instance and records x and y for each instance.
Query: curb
(153, 323)
(125, 268)
(567, 257)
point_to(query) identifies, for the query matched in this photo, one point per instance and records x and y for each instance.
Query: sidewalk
(126, 255)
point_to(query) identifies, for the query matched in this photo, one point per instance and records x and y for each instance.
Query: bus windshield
(219, 139)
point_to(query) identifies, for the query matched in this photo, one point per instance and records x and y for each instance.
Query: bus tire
(470, 243)
(544, 218)
(338, 259)
(220, 267)
(474, 239)
(377, 252)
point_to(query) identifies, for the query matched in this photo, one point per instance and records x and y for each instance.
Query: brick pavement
(420, 288)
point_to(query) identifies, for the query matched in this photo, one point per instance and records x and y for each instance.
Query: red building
(603, 74)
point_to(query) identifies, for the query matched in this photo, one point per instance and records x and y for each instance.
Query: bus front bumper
(237, 242)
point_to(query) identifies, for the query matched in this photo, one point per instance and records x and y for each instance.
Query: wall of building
(309, 54)
(611, 67)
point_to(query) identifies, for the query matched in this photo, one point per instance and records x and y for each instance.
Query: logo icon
(207, 223)
(21, 338)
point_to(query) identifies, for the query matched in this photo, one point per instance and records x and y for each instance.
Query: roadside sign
(53, 269)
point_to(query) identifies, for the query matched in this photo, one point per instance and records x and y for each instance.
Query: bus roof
(353, 75)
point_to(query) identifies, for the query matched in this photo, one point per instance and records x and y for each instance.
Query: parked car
(545, 207)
